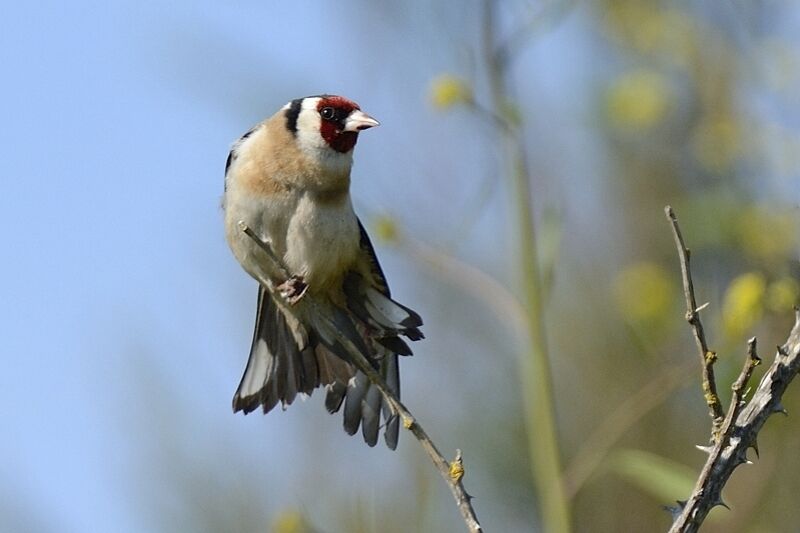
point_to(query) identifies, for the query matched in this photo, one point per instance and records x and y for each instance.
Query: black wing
(375, 266)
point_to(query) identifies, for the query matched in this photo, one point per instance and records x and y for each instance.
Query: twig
(707, 357)
(496, 119)
(451, 472)
(739, 430)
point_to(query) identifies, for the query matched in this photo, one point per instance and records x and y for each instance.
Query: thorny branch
(451, 472)
(707, 357)
(739, 429)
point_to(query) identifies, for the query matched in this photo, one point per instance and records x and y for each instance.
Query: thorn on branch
(719, 502)
(702, 307)
(754, 446)
(675, 510)
(779, 408)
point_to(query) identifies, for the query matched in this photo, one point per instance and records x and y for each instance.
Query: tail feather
(335, 396)
(295, 376)
(395, 345)
(364, 405)
(269, 396)
(292, 353)
(356, 391)
(333, 369)
(310, 370)
(278, 368)
(392, 377)
(382, 322)
(259, 366)
(371, 415)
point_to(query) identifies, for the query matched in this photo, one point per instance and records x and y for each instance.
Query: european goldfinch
(288, 179)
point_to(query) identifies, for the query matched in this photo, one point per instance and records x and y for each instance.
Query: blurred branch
(451, 472)
(595, 448)
(494, 118)
(739, 429)
(537, 382)
(707, 357)
(473, 281)
(474, 209)
(529, 27)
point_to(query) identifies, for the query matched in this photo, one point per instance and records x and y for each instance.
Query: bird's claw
(293, 289)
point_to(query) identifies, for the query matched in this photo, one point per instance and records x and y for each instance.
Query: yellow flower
(646, 27)
(767, 234)
(638, 100)
(782, 294)
(717, 142)
(744, 303)
(447, 91)
(644, 292)
(290, 522)
(386, 229)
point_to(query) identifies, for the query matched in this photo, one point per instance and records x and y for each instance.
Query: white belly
(322, 241)
(317, 240)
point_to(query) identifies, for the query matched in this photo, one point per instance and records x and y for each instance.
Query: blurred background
(126, 322)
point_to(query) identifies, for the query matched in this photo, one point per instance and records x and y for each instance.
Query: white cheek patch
(311, 142)
(308, 126)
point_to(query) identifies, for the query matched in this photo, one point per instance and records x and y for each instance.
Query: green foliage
(664, 479)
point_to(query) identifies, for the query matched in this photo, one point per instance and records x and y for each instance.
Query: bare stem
(451, 472)
(537, 380)
(707, 357)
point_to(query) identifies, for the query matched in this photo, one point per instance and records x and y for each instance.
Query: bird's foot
(293, 289)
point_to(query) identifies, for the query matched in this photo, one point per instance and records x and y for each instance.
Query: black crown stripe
(291, 115)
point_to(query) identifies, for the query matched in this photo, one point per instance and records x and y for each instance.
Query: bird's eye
(327, 113)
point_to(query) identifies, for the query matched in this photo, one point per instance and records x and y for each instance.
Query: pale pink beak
(359, 121)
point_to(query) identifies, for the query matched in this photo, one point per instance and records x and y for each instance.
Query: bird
(288, 180)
